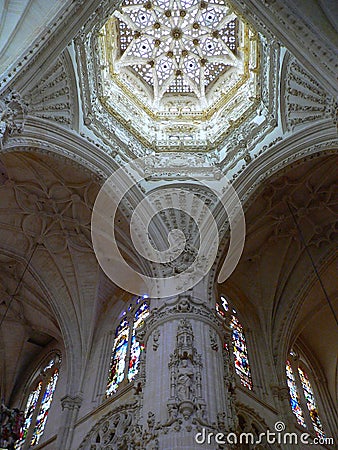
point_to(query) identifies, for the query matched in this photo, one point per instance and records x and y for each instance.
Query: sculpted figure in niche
(185, 376)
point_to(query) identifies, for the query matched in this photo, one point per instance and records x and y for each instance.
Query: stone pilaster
(70, 410)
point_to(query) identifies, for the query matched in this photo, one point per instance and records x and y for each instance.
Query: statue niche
(185, 376)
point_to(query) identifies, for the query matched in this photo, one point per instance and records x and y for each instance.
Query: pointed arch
(302, 398)
(39, 401)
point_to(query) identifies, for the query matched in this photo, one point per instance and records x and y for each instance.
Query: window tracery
(240, 351)
(126, 350)
(39, 402)
(294, 395)
(302, 399)
(311, 402)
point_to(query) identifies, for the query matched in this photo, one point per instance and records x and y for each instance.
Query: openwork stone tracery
(176, 46)
(175, 68)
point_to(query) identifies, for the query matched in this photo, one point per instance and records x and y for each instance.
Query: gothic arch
(40, 242)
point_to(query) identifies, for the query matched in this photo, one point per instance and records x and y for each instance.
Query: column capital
(281, 392)
(71, 402)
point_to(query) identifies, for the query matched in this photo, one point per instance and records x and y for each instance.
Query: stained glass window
(118, 358)
(29, 411)
(39, 402)
(136, 348)
(242, 366)
(46, 402)
(311, 402)
(126, 347)
(240, 352)
(294, 395)
(301, 394)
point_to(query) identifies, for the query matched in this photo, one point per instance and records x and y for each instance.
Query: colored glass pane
(29, 411)
(118, 359)
(294, 395)
(224, 303)
(240, 351)
(311, 403)
(136, 348)
(46, 402)
(220, 311)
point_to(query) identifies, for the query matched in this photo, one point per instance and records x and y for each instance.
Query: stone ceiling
(180, 72)
(275, 281)
(187, 91)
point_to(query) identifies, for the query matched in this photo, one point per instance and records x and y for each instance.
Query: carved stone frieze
(120, 429)
(174, 166)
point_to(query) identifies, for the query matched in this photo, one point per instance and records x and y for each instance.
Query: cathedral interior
(168, 224)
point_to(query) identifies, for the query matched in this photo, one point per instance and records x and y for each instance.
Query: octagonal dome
(178, 72)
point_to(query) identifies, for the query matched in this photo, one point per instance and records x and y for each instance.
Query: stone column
(70, 408)
(282, 400)
(187, 387)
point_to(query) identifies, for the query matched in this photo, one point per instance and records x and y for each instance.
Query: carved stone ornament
(228, 136)
(156, 337)
(213, 340)
(116, 430)
(182, 306)
(230, 417)
(250, 421)
(52, 98)
(12, 116)
(120, 430)
(185, 366)
(304, 100)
